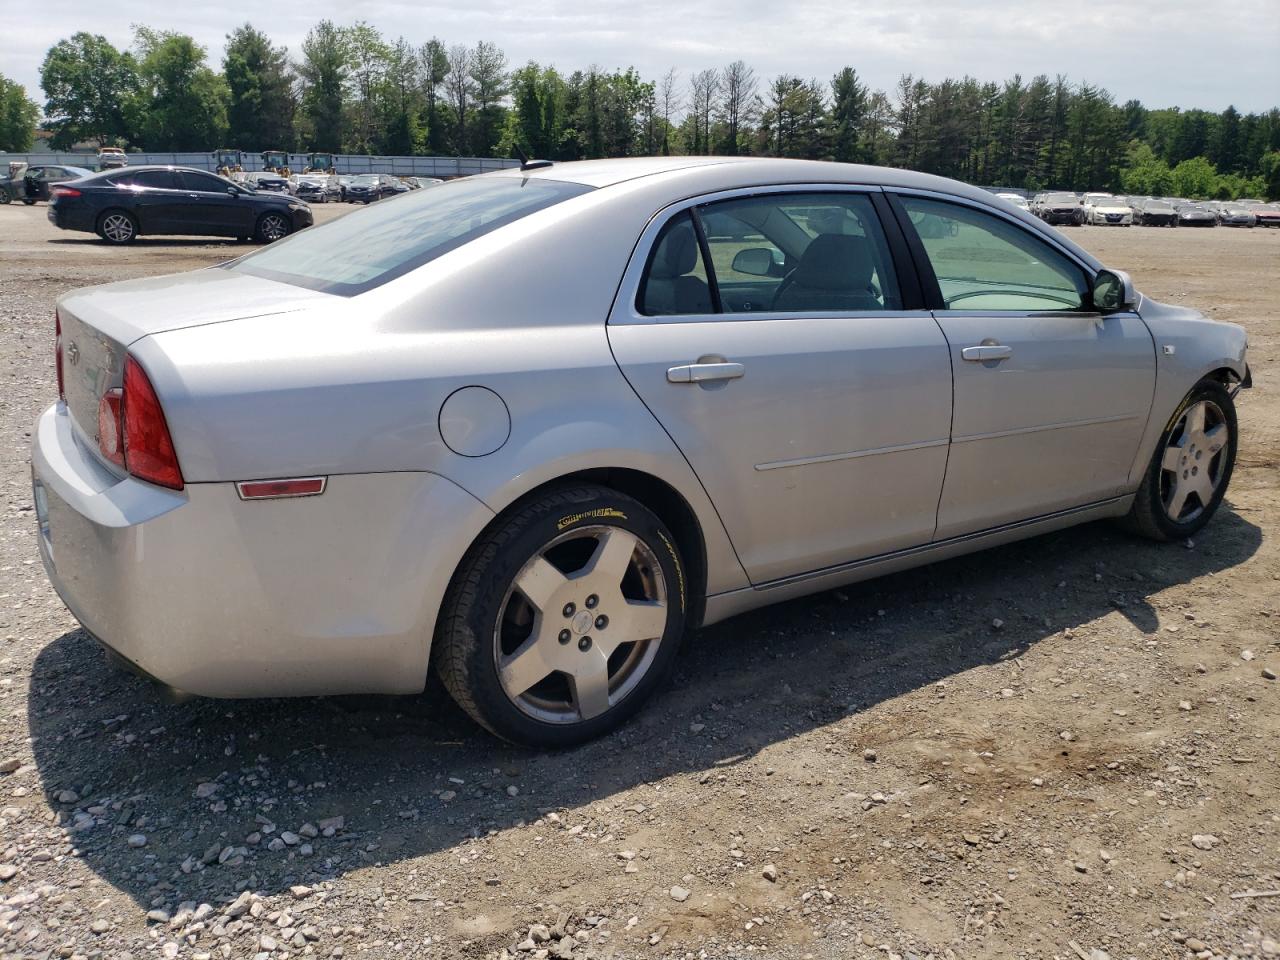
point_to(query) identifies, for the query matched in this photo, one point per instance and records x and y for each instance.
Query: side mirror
(1113, 291)
(754, 262)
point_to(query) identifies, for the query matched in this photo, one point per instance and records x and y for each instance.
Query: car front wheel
(272, 227)
(563, 618)
(1189, 472)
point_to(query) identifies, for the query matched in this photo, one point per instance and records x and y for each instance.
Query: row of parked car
(1061, 208)
(333, 187)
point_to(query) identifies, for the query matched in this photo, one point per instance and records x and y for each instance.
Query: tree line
(350, 89)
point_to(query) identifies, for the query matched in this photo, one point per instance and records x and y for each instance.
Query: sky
(1162, 52)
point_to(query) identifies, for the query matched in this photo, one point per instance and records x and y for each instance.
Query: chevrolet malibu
(529, 428)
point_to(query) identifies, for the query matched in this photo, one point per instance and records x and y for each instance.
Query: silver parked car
(533, 426)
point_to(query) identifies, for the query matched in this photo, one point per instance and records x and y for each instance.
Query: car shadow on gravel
(142, 243)
(412, 776)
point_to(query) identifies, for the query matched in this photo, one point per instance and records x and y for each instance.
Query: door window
(985, 263)
(153, 179)
(800, 252)
(203, 182)
(675, 281)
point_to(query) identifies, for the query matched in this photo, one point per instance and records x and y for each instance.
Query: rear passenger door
(779, 337)
(154, 198)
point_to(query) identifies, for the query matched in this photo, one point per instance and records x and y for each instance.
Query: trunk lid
(99, 324)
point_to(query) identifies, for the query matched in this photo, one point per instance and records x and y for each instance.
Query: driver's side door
(1050, 397)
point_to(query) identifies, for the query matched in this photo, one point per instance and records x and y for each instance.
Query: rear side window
(800, 253)
(794, 252)
(154, 179)
(983, 262)
(675, 282)
(370, 248)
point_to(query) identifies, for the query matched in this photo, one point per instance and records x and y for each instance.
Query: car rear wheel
(563, 618)
(272, 227)
(117, 226)
(4, 197)
(1189, 472)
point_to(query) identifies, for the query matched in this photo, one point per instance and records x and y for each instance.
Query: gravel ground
(1065, 748)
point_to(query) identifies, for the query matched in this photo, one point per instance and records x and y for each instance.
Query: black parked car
(36, 181)
(1155, 213)
(1195, 215)
(369, 187)
(120, 205)
(1062, 209)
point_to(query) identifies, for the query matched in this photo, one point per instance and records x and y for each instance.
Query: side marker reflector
(280, 489)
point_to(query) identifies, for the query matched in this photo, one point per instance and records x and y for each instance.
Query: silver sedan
(532, 427)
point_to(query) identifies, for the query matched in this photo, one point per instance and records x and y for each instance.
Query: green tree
(848, 117)
(260, 84)
(181, 104)
(1145, 174)
(87, 83)
(18, 114)
(326, 71)
(1195, 178)
(434, 69)
(489, 85)
(1269, 168)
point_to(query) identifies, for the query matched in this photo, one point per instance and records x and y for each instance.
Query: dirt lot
(1064, 748)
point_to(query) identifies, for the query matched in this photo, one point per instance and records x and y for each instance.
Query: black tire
(272, 227)
(468, 643)
(117, 227)
(1148, 515)
(29, 203)
(5, 197)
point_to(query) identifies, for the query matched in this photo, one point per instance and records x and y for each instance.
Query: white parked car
(1107, 211)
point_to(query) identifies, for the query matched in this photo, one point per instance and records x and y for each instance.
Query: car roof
(737, 172)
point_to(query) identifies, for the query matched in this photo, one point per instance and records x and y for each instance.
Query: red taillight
(148, 448)
(57, 353)
(110, 426)
(65, 192)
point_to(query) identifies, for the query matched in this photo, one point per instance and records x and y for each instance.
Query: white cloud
(1162, 52)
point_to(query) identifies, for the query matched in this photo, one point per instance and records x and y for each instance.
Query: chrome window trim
(624, 310)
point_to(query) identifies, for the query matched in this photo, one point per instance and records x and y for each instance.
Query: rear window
(367, 249)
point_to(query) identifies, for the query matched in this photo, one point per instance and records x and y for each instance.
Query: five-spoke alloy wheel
(1189, 472)
(563, 618)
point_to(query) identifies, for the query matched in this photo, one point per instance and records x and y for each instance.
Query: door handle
(987, 351)
(705, 372)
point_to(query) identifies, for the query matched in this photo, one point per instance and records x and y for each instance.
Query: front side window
(370, 248)
(985, 263)
(204, 182)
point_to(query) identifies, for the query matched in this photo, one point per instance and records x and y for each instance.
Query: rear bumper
(220, 597)
(66, 216)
